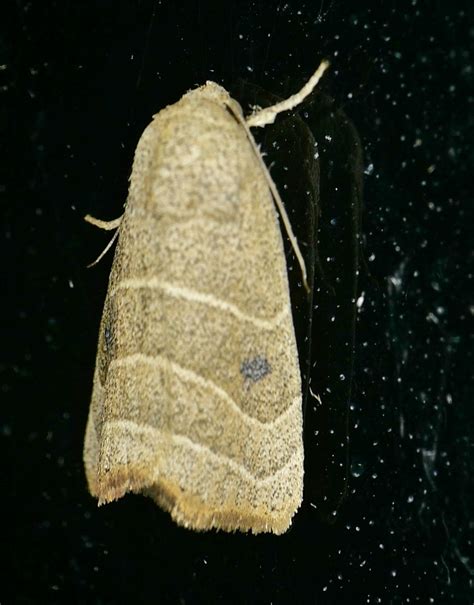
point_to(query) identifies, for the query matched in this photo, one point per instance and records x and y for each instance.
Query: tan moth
(197, 392)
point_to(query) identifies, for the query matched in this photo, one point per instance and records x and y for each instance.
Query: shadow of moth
(197, 392)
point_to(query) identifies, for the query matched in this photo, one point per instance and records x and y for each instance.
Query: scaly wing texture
(197, 394)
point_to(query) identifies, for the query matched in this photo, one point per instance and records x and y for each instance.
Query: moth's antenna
(262, 117)
(279, 204)
(265, 116)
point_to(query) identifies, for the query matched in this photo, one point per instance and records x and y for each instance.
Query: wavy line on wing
(191, 376)
(198, 447)
(204, 298)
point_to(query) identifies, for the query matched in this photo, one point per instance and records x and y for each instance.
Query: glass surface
(388, 510)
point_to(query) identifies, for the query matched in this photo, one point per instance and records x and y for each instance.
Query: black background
(78, 83)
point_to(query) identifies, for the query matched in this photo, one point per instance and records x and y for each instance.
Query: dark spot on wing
(108, 338)
(255, 369)
(107, 341)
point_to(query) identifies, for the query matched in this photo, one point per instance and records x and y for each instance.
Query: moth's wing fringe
(187, 510)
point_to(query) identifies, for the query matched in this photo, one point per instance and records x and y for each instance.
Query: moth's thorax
(193, 157)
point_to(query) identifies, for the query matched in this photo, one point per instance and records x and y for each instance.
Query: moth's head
(213, 92)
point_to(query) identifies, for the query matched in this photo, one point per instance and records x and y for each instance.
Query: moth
(196, 397)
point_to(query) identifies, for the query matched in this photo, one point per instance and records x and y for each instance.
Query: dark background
(78, 83)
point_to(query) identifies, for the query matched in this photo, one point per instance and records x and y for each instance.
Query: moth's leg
(106, 225)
